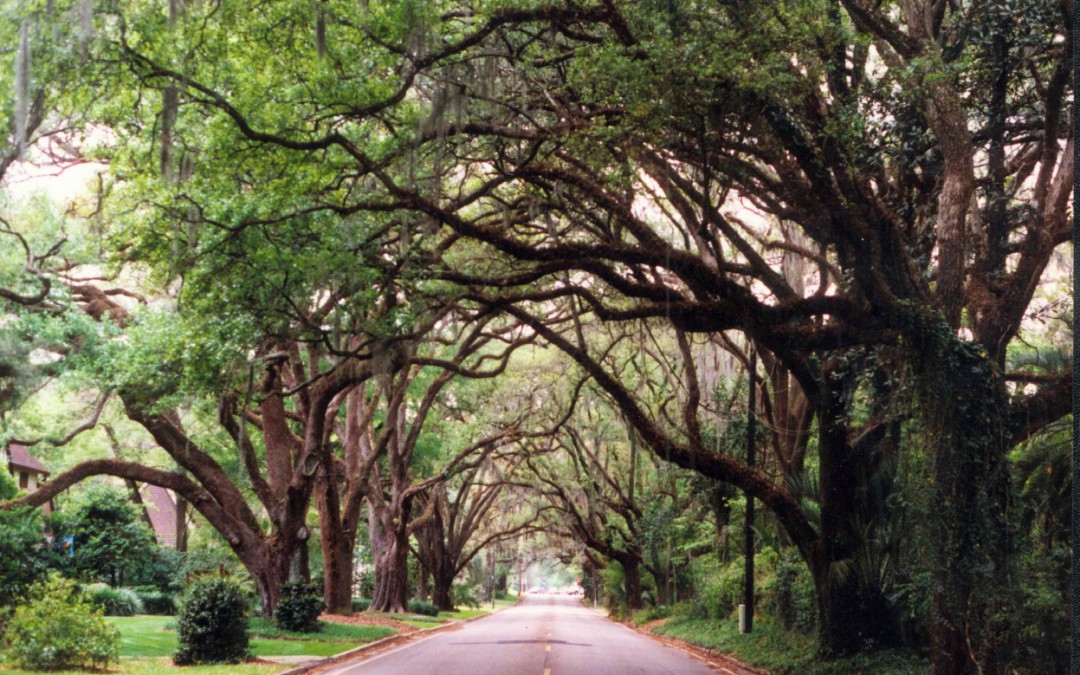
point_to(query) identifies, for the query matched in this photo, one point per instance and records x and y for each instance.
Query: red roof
(161, 509)
(22, 459)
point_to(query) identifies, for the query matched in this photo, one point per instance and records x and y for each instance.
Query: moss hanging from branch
(169, 103)
(320, 30)
(22, 88)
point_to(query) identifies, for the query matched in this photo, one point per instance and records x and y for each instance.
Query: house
(26, 469)
(161, 513)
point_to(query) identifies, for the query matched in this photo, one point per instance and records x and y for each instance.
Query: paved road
(544, 635)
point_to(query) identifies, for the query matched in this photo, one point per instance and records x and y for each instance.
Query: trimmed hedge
(299, 607)
(423, 607)
(212, 625)
(156, 602)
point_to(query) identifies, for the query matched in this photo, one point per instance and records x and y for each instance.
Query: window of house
(24, 479)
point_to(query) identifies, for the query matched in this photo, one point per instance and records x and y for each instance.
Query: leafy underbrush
(783, 652)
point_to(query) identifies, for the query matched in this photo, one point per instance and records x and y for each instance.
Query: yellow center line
(547, 671)
(547, 648)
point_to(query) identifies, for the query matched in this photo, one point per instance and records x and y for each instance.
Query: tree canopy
(315, 218)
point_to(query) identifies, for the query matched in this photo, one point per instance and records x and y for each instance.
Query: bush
(360, 604)
(719, 588)
(60, 628)
(24, 559)
(366, 584)
(117, 601)
(212, 624)
(789, 595)
(156, 602)
(299, 607)
(423, 607)
(467, 595)
(652, 614)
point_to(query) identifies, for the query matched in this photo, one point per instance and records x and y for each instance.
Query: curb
(343, 656)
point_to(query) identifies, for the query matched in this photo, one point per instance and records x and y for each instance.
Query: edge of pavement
(388, 641)
(726, 663)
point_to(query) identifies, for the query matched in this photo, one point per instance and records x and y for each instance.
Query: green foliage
(24, 558)
(1044, 643)
(158, 602)
(166, 571)
(643, 616)
(719, 588)
(423, 607)
(117, 601)
(466, 594)
(299, 607)
(9, 489)
(771, 648)
(60, 628)
(109, 538)
(212, 626)
(789, 594)
(360, 604)
(611, 584)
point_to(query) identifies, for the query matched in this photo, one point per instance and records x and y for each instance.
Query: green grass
(144, 666)
(156, 636)
(782, 652)
(328, 632)
(145, 635)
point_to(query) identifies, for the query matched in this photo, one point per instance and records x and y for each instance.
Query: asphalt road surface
(543, 635)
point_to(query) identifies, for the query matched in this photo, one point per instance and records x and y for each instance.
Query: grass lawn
(148, 642)
(156, 636)
(155, 666)
(784, 653)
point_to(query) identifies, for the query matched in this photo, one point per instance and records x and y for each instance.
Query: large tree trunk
(270, 570)
(443, 589)
(852, 615)
(390, 549)
(969, 632)
(632, 582)
(337, 572)
(337, 548)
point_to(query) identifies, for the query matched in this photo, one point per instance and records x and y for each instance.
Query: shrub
(212, 624)
(653, 613)
(298, 607)
(719, 589)
(24, 559)
(366, 584)
(360, 604)
(789, 595)
(466, 595)
(60, 628)
(117, 601)
(423, 607)
(156, 602)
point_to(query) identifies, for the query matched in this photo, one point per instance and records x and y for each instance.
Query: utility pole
(746, 611)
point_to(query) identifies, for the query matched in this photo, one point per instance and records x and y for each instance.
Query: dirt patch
(379, 646)
(363, 619)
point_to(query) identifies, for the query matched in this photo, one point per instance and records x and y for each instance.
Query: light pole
(746, 614)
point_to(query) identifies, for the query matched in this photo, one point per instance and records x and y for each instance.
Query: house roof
(161, 510)
(22, 459)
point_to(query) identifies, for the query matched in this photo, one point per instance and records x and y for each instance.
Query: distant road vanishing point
(543, 635)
